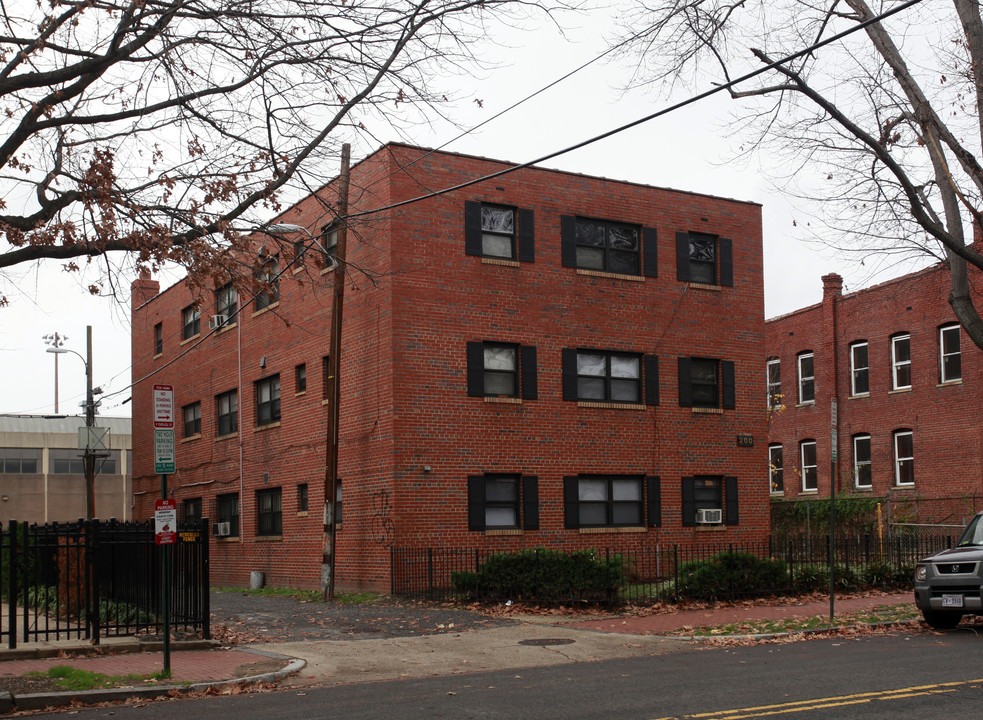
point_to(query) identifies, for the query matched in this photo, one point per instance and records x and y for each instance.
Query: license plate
(952, 601)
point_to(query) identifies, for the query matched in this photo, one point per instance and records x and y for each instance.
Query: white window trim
(798, 362)
(898, 460)
(942, 353)
(771, 465)
(803, 466)
(896, 364)
(856, 465)
(768, 394)
(854, 368)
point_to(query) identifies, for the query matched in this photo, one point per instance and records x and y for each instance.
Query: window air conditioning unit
(222, 529)
(217, 321)
(705, 516)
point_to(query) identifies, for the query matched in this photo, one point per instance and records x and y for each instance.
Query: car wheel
(941, 620)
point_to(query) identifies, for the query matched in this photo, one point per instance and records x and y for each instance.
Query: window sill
(268, 538)
(302, 513)
(228, 539)
(612, 530)
(898, 391)
(808, 403)
(808, 492)
(704, 286)
(227, 437)
(906, 486)
(271, 306)
(226, 326)
(269, 426)
(707, 411)
(503, 531)
(610, 406)
(859, 395)
(299, 267)
(776, 408)
(330, 268)
(504, 400)
(863, 488)
(298, 394)
(501, 262)
(720, 527)
(777, 493)
(947, 383)
(158, 355)
(613, 276)
(196, 436)
(190, 339)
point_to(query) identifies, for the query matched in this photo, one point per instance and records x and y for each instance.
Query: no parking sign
(165, 522)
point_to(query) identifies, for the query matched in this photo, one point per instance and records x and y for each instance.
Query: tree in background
(165, 129)
(882, 127)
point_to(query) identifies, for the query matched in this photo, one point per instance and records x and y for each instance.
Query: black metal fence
(641, 575)
(91, 579)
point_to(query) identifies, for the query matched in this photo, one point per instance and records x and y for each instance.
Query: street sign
(165, 521)
(164, 460)
(164, 406)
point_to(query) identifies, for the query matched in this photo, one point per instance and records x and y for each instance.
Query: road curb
(40, 701)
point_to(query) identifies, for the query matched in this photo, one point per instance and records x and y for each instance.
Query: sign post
(165, 509)
(833, 429)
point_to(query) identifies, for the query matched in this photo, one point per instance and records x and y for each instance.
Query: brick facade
(419, 304)
(906, 392)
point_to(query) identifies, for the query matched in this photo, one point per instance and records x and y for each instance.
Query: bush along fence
(92, 579)
(612, 576)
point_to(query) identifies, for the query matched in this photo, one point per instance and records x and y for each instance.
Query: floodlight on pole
(55, 340)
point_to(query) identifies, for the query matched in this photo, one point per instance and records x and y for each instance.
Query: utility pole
(328, 558)
(89, 457)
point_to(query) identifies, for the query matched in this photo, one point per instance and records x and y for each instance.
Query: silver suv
(947, 584)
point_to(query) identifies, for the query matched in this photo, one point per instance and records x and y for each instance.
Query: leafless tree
(882, 127)
(165, 128)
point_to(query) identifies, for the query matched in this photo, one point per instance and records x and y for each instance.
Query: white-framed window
(861, 461)
(809, 465)
(901, 362)
(776, 473)
(950, 356)
(774, 383)
(807, 378)
(904, 457)
(859, 369)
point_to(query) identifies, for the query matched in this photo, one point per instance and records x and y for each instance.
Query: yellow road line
(830, 702)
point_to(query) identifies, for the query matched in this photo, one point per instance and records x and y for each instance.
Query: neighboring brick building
(907, 383)
(541, 359)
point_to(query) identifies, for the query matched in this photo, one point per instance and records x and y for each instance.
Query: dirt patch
(260, 667)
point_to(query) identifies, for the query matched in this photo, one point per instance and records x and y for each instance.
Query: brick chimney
(143, 289)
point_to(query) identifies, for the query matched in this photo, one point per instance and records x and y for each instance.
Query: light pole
(89, 457)
(55, 340)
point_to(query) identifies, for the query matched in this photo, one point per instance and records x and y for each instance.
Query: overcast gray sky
(686, 150)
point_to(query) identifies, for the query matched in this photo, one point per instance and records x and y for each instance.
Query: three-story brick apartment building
(906, 380)
(540, 359)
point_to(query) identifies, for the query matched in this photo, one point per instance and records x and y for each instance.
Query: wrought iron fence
(795, 564)
(91, 579)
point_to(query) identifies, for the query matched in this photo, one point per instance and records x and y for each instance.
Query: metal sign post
(165, 510)
(833, 422)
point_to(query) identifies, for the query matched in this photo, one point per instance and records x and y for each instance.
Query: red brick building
(540, 359)
(906, 379)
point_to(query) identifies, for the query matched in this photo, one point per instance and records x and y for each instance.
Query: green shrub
(731, 572)
(810, 578)
(543, 576)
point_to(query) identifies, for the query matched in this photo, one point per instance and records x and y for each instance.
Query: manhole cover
(547, 641)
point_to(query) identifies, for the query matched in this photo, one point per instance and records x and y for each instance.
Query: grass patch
(72, 679)
(314, 596)
(879, 614)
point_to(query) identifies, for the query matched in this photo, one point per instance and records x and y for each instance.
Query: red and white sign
(165, 521)
(164, 406)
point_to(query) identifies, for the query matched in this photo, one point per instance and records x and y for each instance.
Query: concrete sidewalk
(527, 641)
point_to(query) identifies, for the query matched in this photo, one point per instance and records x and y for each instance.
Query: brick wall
(410, 434)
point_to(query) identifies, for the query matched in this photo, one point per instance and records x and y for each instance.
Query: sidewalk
(522, 641)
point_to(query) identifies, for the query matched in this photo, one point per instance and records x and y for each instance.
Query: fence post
(430, 581)
(675, 571)
(12, 585)
(206, 602)
(91, 571)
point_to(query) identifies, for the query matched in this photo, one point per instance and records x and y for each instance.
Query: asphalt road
(925, 675)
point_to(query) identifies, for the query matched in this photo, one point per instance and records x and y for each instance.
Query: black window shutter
(476, 369)
(476, 502)
(727, 382)
(689, 502)
(730, 492)
(472, 227)
(725, 247)
(571, 502)
(527, 365)
(682, 256)
(685, 383)
(654, 490)
(569, 374)
(650, 251)
(530, 502)
(568, 241)
(651, 380)
(525, 237)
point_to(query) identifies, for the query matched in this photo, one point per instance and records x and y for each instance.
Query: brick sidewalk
(186, 666)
